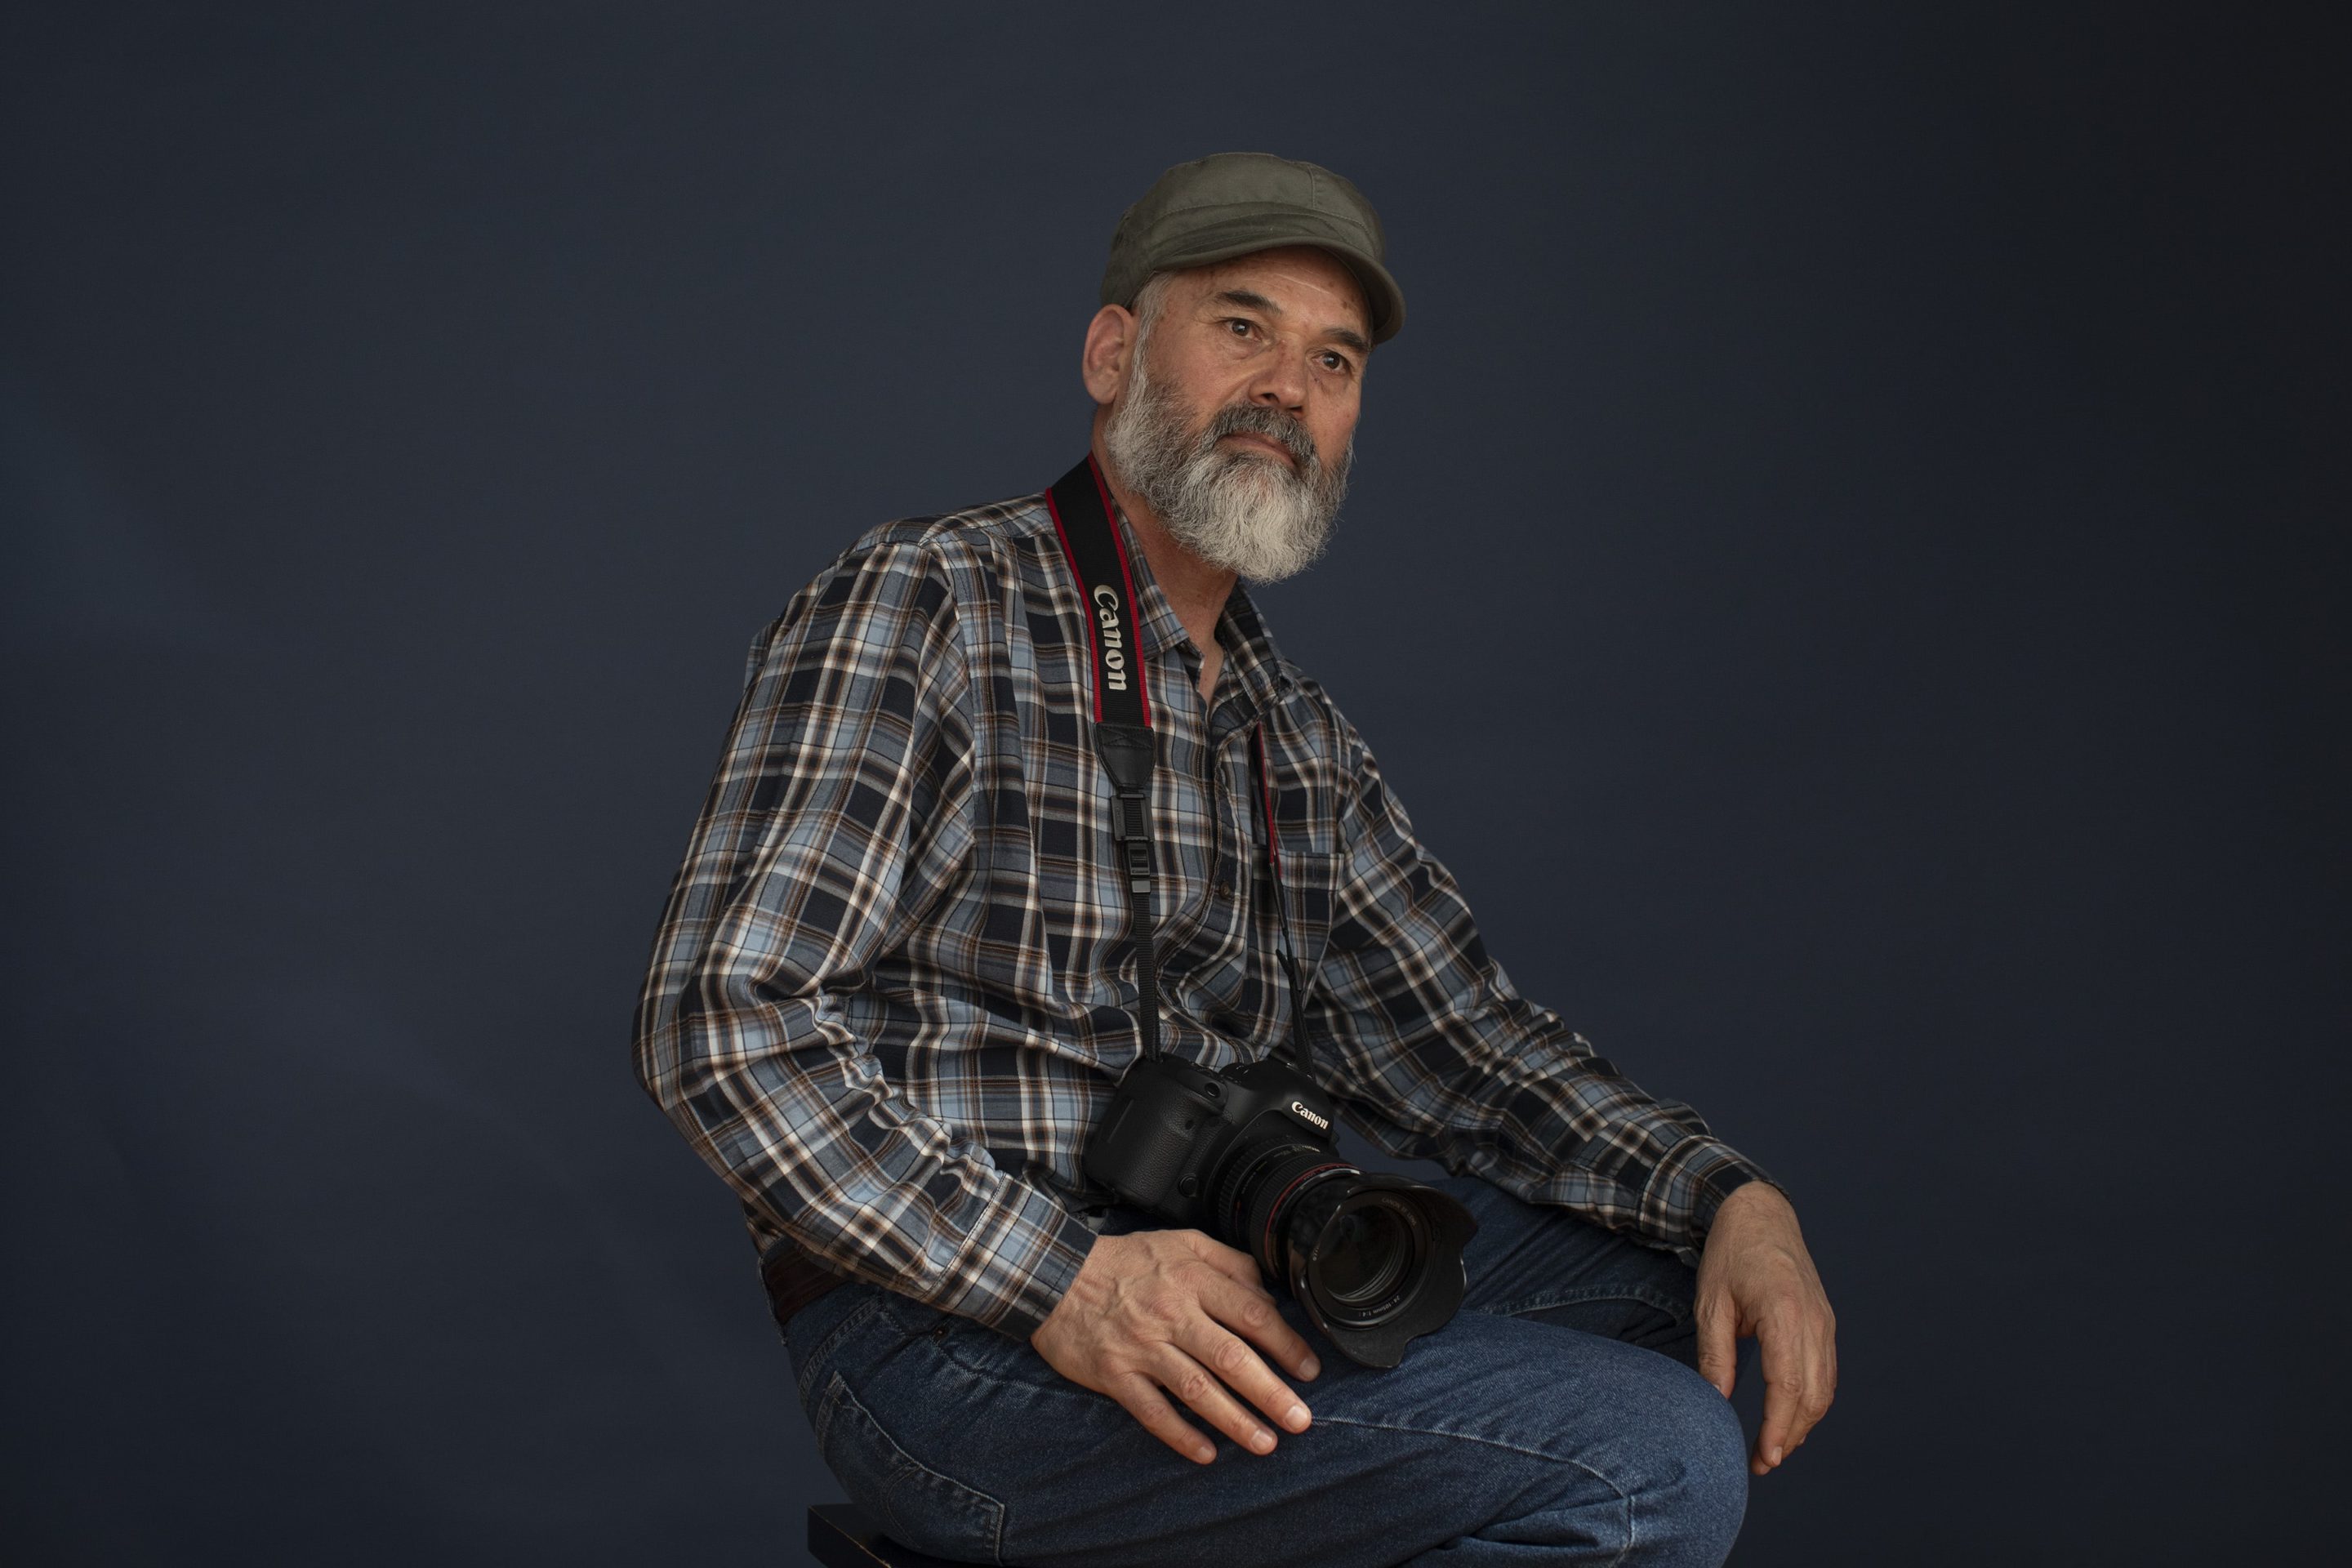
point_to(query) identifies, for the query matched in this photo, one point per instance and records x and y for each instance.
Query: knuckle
(1194, 1386)
(1231, 1356)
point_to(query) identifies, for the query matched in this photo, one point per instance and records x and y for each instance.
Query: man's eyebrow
(1250, 299)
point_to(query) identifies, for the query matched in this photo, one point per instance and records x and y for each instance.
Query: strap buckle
(1132, 827)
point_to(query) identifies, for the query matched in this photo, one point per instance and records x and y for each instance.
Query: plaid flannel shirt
(890, 993)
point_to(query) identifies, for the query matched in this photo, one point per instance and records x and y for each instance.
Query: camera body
(1250, 1155)
(1172, 1123)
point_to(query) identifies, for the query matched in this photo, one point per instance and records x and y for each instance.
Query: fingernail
(1310, 1367)
(1204, 1454)
(1262, 1440)
(1771, 1456)
(1296, 1418)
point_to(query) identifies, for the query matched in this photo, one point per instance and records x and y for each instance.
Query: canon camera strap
(1081, 506)
(1122, 711)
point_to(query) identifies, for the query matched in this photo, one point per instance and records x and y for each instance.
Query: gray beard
(1248, 512)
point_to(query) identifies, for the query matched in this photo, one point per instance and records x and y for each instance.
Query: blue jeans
(1555, 1420)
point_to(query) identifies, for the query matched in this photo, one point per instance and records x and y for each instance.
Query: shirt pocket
(1309, 878)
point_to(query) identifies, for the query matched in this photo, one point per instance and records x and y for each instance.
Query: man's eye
(1242, 329)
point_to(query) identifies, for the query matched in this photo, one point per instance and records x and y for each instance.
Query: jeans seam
(823, 1347)
(821, 1418)
(1624, 1496)
(1053, 1383)
(1544, 1300)
(841, 1394)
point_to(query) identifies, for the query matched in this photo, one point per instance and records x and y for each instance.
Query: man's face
(1235, 420)
(1282, 328)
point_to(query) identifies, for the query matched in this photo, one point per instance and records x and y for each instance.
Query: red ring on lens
(1273, 1213)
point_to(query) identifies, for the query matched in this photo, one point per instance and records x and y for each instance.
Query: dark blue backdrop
(1844, 567)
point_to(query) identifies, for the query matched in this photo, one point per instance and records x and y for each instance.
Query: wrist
(1753, 1193)
(1754, 1205)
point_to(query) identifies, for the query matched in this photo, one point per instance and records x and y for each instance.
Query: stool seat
(839, 1536)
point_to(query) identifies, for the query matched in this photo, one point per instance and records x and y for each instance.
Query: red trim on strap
(1265, 793)
(1094, 633)
(1134, 605)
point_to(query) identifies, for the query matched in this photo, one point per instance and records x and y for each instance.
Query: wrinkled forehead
(1309, 288)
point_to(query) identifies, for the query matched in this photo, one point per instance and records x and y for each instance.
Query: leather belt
(794, 1280)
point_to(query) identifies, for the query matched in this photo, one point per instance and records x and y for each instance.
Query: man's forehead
(1295, 280)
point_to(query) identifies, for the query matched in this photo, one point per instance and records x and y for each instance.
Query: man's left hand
(1754, 1277)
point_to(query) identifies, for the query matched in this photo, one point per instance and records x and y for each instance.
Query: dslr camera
(1249, 1156)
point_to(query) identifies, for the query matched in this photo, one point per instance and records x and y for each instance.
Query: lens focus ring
(1276, 1187)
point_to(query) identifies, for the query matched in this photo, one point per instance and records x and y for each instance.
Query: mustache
(1288, 430)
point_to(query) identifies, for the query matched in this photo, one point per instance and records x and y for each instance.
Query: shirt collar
(1250, 652)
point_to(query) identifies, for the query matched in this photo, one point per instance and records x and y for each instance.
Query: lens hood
(1375, 1260)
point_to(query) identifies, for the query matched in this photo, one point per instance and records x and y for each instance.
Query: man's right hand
(1170, 1310)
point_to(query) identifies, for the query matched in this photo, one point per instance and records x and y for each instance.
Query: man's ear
(1110, 340)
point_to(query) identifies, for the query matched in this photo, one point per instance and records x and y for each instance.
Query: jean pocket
(911, 1502)
(818, 1333)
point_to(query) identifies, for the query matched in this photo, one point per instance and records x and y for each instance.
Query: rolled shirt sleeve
(841, 815)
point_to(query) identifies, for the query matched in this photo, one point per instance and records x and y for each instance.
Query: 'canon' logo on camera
(1322, 1123)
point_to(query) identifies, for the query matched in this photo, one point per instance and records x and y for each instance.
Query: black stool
(841, 1537)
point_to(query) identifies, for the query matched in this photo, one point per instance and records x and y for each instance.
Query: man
(897, 983)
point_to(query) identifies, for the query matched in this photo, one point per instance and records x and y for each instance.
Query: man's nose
(1281, 386)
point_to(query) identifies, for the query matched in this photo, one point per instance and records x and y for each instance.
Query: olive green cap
(1232, 204)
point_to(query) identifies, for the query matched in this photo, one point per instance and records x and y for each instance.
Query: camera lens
(1358, 1256)
(1260, 1194)
(1364, 1251)
(1376, 1260)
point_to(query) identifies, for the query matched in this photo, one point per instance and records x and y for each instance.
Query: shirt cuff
(1688, 1187)
(1019, 1263)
